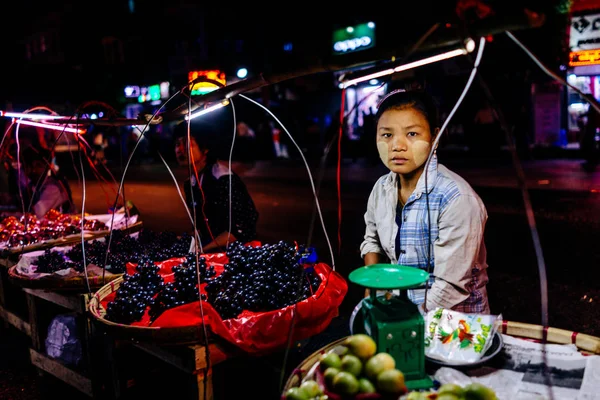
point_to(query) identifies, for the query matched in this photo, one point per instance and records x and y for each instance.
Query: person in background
(397, 229)
(207, 193)
(590, 141)
(46, 187)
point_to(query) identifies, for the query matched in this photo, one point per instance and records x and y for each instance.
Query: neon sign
(205, 87)
(147, 93)
(354, 38)
(584, 57)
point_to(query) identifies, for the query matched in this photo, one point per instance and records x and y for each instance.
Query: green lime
(477, 391)
(391, 381)
(379, 363)
(295, 394)
(418, 395)
(448, 396)
(310, 388)
(361, 345)
(345, 383)
(451, 388)
(352, 364)
(330, 360)
(329, 374)
(366, 386)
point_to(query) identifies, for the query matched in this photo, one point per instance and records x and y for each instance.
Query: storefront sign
(354, 38)
(205, 87)
(148, 93)
(154, 92)
(132, 91)
(584, 57)
(585, 32)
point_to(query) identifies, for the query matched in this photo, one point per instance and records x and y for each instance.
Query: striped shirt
(458, 254)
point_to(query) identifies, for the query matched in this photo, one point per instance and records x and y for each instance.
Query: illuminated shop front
(584, 68)
(361, 99)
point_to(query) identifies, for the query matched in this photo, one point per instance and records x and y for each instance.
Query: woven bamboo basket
(57, 283)
(586, 344)
(157, 335)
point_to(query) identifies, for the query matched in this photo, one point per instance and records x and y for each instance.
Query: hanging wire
(432, 152)
(339, 168)
(83, 198)
(142, 135)
(307, 169)
(230, 171)
(529, 208)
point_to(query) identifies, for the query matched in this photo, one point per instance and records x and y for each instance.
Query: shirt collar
(391, 182)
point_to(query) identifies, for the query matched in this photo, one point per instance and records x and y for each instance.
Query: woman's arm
(244, 215)
(370, 248)
(456, 251)
(220, 242)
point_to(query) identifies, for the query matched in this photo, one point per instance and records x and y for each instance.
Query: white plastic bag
(62, 342)
(457, 337)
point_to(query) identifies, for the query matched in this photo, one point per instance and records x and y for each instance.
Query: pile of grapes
(184, 288)
(135, 293)
(123, 248)
(52, 261)
(264, 278)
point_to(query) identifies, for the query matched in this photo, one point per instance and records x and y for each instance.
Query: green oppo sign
(354, 38)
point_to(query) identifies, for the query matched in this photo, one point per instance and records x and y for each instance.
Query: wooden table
(98, 374)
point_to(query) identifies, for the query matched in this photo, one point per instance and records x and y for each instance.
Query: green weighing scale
(393, 321)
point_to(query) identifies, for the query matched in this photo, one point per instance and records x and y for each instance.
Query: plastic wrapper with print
(456, 337)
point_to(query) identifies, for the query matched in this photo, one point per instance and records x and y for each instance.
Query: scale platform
(389, 277)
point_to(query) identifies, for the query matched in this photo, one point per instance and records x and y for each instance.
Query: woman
(47, 188)
(207, 194)
(397, 229)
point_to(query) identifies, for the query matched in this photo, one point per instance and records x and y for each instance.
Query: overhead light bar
(11, 114)
(207, 110)
(469, 47)
(50, 126)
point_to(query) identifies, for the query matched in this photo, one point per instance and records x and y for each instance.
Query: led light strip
(11, 114)
(207, 110)
(469, 47)
(50, 126)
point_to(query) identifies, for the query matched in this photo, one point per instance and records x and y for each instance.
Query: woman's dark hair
(31, 154)
(204, 138)
(417, 99)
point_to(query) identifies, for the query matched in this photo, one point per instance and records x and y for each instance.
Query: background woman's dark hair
(203, 137)
(417, 99)
(30, 155)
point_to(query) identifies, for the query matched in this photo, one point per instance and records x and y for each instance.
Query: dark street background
(566, 201)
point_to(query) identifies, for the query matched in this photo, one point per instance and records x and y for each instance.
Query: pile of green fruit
(450, 391)
(355, 368)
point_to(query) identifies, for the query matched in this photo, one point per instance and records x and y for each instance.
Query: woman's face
(403, 140)
(198, 154)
